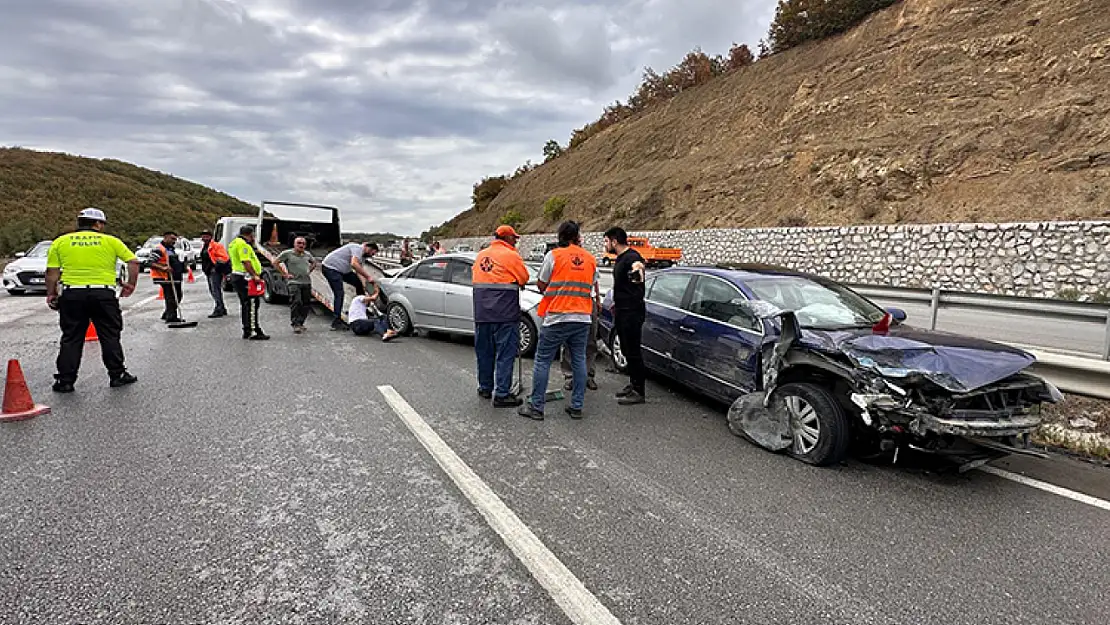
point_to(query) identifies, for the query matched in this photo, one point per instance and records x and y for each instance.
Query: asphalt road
(271, 482)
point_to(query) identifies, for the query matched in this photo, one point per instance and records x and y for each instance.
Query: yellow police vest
(87, 257)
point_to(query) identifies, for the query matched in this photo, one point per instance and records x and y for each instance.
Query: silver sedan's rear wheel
(528, 337)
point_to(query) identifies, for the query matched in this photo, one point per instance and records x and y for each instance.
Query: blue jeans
(496, 346)
(336, 281)
(368, 327)
(575, 337)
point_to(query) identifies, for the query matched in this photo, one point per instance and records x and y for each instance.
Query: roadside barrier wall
(1069, 260)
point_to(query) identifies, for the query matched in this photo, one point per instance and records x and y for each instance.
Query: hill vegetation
(853, 111)
(41, 193)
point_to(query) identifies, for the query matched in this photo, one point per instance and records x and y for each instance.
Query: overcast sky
(389, 109)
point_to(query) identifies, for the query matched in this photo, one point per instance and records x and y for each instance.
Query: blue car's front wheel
(816, 423)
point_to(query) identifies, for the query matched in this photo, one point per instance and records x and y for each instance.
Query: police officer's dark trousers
(76, 308)
(248, 306)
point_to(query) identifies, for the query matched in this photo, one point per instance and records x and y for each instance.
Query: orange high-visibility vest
(570, 290)
(161, 274)
(217, 253)
(496, 277)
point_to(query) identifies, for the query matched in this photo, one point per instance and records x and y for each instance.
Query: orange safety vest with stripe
(496, 277)
(164, 259)
(571, 288)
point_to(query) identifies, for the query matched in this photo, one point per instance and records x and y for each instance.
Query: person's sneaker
(591, 384)
(246, 335)
(508, 401)
(298, 330)
(259, 336)
(484, 394)
(528, 411)
(338, 326)
(122, 380)
(62, 387)
(175, 320)
(575, 413)
(217, 314)
(632, 399)
(389, 336)
(625, 392)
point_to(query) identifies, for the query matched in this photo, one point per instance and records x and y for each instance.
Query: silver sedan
(436, 294)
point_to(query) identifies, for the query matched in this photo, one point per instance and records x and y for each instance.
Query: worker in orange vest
(216, 265)
(569, 282)
(497, 276)
(167, 269)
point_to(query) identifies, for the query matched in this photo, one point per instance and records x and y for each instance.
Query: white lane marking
(1048, 488)
(140, 304)
(576, 601)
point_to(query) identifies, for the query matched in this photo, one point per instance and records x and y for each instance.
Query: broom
(177, 306)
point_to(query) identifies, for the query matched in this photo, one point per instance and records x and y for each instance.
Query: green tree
(551, 150)
(799, 21)
(553, 208)
(512, 217)
(487, 190)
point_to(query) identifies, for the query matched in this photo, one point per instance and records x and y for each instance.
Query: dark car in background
(810, 366)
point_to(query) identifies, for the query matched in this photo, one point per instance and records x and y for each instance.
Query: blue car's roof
(740, 272)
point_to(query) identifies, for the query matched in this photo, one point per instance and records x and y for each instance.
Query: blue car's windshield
(818, 305)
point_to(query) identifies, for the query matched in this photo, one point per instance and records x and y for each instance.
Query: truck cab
(276, 226)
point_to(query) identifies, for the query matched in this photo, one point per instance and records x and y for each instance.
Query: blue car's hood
(953, 362)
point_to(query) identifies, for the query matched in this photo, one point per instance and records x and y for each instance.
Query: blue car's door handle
(686, 329)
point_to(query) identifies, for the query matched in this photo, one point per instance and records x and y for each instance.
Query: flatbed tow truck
(276, 226)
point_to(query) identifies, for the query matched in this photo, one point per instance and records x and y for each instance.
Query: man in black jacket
(214, 271)
(629, 312)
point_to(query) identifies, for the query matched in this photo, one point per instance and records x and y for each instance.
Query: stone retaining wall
(1069, 260)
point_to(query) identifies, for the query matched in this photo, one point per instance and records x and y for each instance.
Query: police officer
(84, 262)
(245, 269)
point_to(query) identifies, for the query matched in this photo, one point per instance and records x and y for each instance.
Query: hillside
(929, 111)
(41, 193)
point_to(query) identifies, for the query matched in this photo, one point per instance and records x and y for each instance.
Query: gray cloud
(391, 109)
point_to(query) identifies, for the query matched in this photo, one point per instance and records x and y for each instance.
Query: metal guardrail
(1055, 310)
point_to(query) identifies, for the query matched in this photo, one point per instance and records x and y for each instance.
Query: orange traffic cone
(161, 294)
(191, 279)
(90, 334)
(18, 404)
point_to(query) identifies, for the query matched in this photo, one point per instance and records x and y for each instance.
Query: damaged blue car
(811, 368)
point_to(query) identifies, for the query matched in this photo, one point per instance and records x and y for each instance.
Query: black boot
(122, 379)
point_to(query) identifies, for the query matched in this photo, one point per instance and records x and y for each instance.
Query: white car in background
(27, 273)
(436, 294)
(185, 250)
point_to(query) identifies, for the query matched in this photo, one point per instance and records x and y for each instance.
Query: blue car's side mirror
(898, 314)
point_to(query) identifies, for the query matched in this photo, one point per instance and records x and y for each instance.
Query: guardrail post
(934, 308)
(1106, 339)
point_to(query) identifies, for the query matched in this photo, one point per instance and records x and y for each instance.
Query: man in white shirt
(344, 266)
(358, 318)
